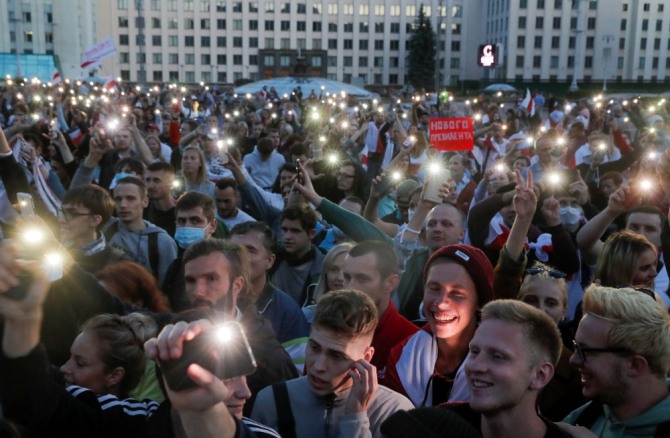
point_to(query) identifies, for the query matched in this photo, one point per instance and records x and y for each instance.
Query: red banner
(452, 134)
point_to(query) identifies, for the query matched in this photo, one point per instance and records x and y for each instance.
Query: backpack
(153, 246)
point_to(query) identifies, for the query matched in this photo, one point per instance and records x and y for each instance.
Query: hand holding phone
(222, 350)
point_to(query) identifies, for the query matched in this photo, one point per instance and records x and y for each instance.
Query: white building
(62, 27)
(346, 40)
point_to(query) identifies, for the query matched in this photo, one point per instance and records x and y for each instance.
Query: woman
(627, 259)
(352, 180)
(545, 288)
(428, 366)
(332, 277)
(155, 147)
(107, 361)
(193, 167)
(133, 284)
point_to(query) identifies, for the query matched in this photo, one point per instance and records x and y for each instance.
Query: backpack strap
(590, 414)
(111, 231)
(285, 420)
(153, 253)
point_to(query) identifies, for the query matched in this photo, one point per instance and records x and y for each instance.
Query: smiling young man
(339, 395)
(622, 351)
(512, 357)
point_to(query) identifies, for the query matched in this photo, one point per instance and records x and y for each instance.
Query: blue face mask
(185, 236)
(118, 177)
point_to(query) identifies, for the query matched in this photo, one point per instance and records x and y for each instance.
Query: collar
(297, 261)
(94, 247)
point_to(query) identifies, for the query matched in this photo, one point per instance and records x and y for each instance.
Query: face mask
(570, 215)
(118, 177)
(185, 236)
(410, 213)
(339, 234)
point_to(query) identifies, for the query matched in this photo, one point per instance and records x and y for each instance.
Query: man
(372, 268)
(335, 235)
(285, 315)
(545, 148)
(83, 213)
(161, 208)
(339, 396)
(216, 272)
(511, 358)
(227, 198)
(622, 351)
(445, 225)
(299, 262)
(264, 162)
(144, 242)
(195, 221)
(489, 148)
(465, 186)
(375, 143)
(127, 142)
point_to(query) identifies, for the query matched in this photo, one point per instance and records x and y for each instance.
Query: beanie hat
(406, 188)
(427, 423)
(474, 261)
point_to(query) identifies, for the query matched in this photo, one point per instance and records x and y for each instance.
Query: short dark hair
(191, 200)
(160, 166)
(387, 260)
(646, 209)
(266, 142)
(614, 176)
(136, 182)
(93, 197)
(303, 213)
(257, 227)
(234, 253)
(224, 183)
(133, 164)
(298, 149)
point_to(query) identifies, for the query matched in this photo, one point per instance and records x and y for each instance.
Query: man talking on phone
(340, 391)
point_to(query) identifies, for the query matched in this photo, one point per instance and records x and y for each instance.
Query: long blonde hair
(201, 177)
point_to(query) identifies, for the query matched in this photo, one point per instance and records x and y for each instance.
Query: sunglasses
(553, 273)
(648, 292)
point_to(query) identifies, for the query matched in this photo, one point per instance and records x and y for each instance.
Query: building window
(347, 61)
(588, 62)
(285, 25)
(540, 4)
(645, 24)
(363, 9)
(253, 7)
(646, 7)
(590, 42)
(122, 5)
(553, 62)
(302, 8)
(363, 44)
(316, 61)
(269, 25)
(623, 24)
(189, 41)
(221, 59)
(204, 23)
(522, 22)
(253, 59)
(237, 59)
(332, 27)
(362, 61)
(173, 41)
(237, 7)
(539, 22)
(378, 61)
(316, 44)
(189, 59)
(538, 42)
(157, 58)
(155, 23)
(301, 26)
(363, 27)
(379, 27)
(156, 40)
(348, 44)
(332, 43)
(123, 21)
(537, 61)
(189, 23)
(591, 23)
(455, 46)
(237, 41)
(379, 44)
(220, 41)
(316, 26)
(173, 23)
(556, 23)
(269, 43)
(123, 40)
(657, 44)
(643, 43)
(155, 5)
(555, 42)
(173, 58)
(523, 4)
(520, 42)
(622, 43)
(253, 42)
(124, 58)
(220, 23)
(519, 61)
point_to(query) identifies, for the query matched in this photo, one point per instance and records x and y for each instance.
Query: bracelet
(412, 231)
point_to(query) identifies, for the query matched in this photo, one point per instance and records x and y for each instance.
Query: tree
(421, 58)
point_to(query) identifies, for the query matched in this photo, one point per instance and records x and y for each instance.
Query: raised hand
(364, 377)
(525, 199)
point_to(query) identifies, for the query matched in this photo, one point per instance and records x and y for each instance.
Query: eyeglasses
(648, 292)
(343, 175)
(68, 214)
(581, 350)
(553, 273)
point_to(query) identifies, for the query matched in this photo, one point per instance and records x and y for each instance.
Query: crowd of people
(384, 288)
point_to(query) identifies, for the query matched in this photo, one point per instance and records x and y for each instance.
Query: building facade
(356, 42)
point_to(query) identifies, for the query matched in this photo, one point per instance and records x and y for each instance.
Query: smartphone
(386, 184)
(225, 357)
(222, 145)
(26, 205)
(434, 182)
(317, 154)
(298, 174)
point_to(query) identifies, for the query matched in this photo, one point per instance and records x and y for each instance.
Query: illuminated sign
(488, 56)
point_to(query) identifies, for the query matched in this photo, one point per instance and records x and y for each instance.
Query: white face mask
(570, 215)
